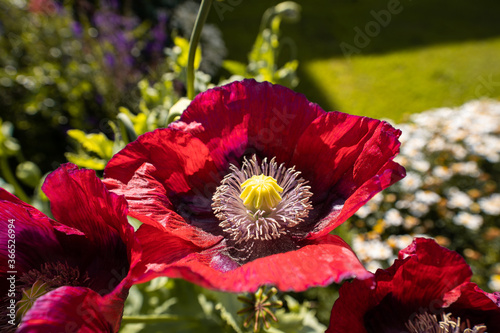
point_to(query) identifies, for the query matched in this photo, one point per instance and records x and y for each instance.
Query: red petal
(251, 117)
(72, 309)
(35, 213)
(419, 280)
(148, 202)
(475, 305)
(81, 201)
(144, 193)
(355, 299)
(347, 159)
(160, 249)
(179, 163)
(34, 237)
(182, 162)
(426, 274)
(326, 260)
(319, 263)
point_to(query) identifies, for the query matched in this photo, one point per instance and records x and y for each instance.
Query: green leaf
(228, 305)
(85, 161)
(299, 319)
(235, 67)
(139, 121)
(93, 143)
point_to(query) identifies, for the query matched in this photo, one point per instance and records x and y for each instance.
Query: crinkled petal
(317, 263)
(182, 165)
(468, 301)
(251, 118)
(418, 281)
(347, 160)
(182, 162)
(81, 201)
(72, 309)
(149, 203)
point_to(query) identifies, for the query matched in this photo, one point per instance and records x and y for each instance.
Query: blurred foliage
(160, 103)
(174, 305)
(263, 58)
(60, 70)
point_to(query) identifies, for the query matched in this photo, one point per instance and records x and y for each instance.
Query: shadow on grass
(333, 29)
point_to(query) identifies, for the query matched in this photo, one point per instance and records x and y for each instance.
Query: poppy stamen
(427, 323)
(261, 201)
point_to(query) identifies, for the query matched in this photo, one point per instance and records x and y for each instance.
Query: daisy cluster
(450, 192)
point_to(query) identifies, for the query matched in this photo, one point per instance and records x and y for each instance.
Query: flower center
(427, 323)
(261, 193)
(261, 202)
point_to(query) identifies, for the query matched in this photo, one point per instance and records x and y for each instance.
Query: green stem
(9, 178)
(193, 44)
(156, 319)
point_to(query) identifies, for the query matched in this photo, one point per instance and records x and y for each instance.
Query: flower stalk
(193, 43)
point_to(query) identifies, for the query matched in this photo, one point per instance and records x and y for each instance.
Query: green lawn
(426, 54)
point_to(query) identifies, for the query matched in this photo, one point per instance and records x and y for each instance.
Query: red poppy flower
(71, 274)
(426, 288)
(244, 190)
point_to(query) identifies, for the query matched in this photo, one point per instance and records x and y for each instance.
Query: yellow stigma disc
(261, 193)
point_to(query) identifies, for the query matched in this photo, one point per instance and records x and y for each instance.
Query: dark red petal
(81, 201)
(468, 301)
(33, 237)
(318, 263)
(355, 299)
(423, 273)
(72, 309)
(418, 281)
(251, 117)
